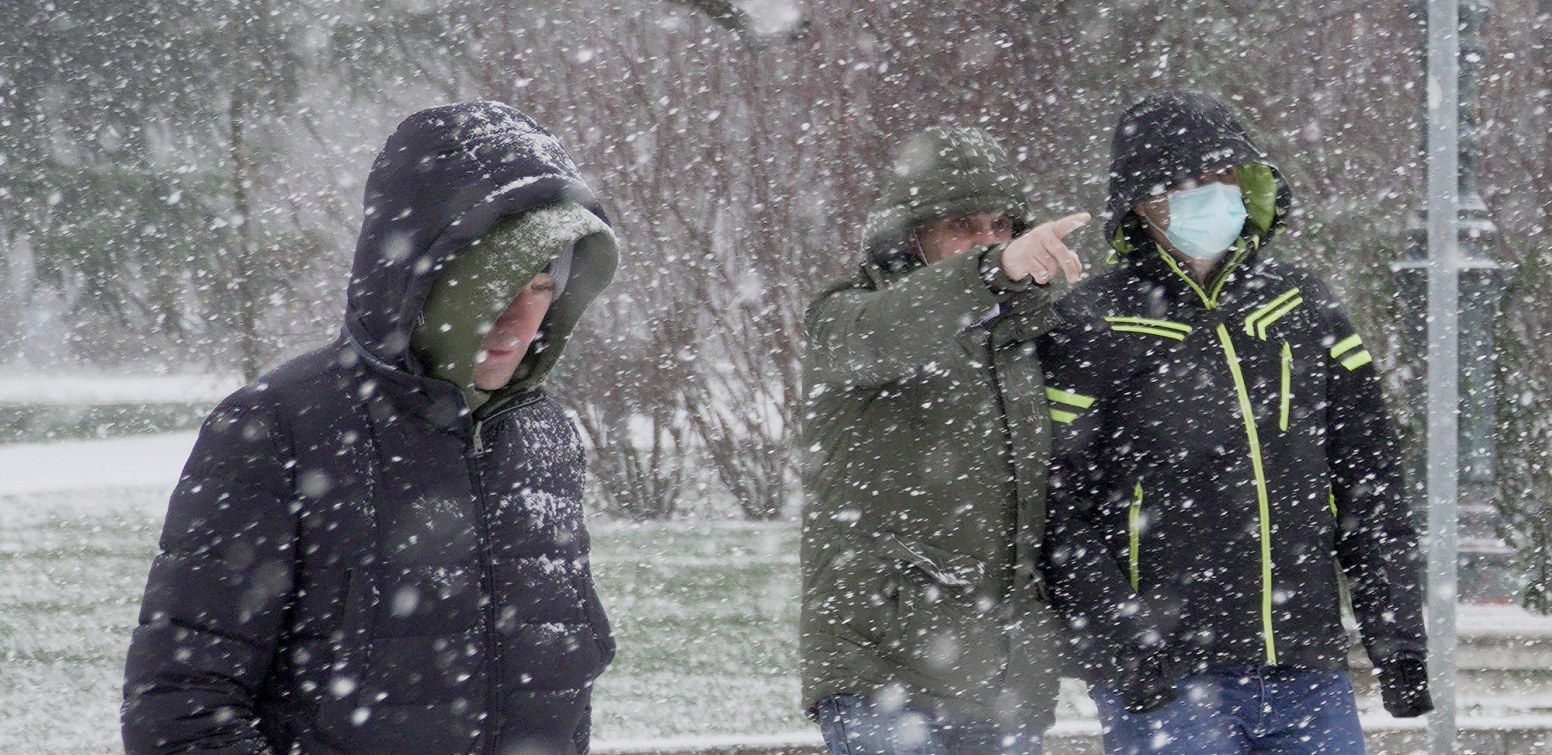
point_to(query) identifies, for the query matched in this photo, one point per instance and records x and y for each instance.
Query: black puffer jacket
(1222, 451)
(352, 563)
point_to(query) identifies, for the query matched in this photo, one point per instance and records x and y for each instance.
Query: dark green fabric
(926, 438)
(475, 287)
(943, 171)
(1258, 185)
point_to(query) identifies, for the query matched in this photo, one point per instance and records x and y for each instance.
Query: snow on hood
(443, 178)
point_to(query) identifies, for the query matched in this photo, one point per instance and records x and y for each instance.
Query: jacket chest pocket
(1296, 385)
(1281, 365)
(1136, 523)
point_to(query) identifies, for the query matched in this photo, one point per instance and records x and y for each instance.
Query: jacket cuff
(993, 276)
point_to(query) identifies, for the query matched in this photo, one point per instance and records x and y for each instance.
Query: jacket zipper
(478, 445)
(1210, 298)
(1007, 449)
(1247, 411)
(479, 442)
(493, 694)
(487, 588)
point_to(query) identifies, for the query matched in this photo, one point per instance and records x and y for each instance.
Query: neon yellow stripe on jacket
(1068, 397)
(1172, 334)
(1355, 360)
(1345, 345)
(1150, 322)
(1163, 328)
(1287, 394)
(1256, 322)
(1134, 536)
(1276, 315)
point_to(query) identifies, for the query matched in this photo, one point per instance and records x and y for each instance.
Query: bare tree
(1516, 161)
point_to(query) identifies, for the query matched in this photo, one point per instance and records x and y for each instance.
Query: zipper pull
(479, 442)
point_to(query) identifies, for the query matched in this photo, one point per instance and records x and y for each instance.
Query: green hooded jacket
(926, 436)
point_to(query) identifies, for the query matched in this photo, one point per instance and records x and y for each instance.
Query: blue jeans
(855, 725)
(1239, 711)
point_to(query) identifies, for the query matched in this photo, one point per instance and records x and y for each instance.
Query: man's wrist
(996, 278)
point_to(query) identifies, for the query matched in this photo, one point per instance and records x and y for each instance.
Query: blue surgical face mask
(1205, 221)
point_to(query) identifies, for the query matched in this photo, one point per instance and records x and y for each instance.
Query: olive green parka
(926, 437)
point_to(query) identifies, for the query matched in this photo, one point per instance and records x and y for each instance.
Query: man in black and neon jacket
(1222, 453)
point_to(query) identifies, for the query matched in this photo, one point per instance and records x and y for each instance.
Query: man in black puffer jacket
(1222, 455)
(378, 547)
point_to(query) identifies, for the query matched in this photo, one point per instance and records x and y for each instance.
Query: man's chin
(497, 371)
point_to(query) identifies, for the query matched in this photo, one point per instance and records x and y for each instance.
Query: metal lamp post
(1450, 290)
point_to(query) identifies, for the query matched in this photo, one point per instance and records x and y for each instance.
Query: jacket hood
(943, 171)
(1172, 137)
(445, 176)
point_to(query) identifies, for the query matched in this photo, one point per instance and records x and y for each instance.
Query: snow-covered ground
(65, 390)
(705, 612)
(135, 462)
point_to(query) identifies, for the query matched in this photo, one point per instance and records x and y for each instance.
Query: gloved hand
(1145, 684)
(1404, 687)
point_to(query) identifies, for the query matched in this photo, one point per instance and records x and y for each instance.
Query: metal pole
(1443, 367)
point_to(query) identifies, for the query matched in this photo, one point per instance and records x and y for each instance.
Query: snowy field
(87, 390)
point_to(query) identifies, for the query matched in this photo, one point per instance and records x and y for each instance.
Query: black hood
(1171, 137)
(444, 177)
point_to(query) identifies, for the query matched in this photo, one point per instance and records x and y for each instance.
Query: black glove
(1404, 688)
(1145, 684)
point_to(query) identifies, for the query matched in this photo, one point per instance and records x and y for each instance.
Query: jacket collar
(1153, 263)
(437, 402)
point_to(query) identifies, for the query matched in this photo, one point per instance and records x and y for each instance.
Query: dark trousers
(1240, 711)
(855, 725)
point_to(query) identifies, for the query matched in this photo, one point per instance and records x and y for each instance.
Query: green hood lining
(526, 241)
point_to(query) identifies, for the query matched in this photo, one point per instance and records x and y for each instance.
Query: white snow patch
(152, 461)
(710, 743)
(1498, 621)
(61, 390)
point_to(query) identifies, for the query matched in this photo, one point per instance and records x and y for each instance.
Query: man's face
(507, 342)
(946, 237)
(1155, 211)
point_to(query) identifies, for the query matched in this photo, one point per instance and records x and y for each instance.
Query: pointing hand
(1039, 252)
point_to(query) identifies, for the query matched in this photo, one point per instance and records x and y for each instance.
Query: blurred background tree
(138, 153)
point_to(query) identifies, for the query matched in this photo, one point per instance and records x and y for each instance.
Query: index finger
(1070, 223)
(1071, 265)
